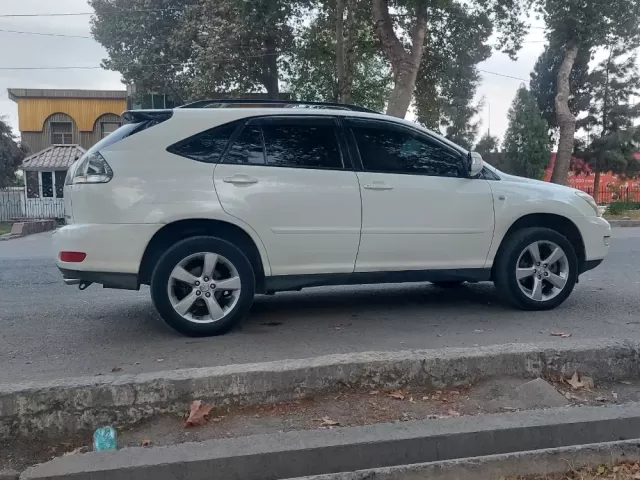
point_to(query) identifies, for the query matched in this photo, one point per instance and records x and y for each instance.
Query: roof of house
(16, 93)
(53, 157)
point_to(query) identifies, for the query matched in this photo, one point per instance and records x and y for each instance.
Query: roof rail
(285, 103)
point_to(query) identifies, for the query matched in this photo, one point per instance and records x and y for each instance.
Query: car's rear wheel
(203, 286)
(537, 269)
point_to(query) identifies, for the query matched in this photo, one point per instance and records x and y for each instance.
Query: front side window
(302, 146)
(392, 150)
(207, 146)
(61, 133)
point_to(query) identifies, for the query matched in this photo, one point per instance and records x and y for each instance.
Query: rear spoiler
(137, 116)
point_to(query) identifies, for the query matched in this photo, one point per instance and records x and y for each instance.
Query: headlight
(589, 199)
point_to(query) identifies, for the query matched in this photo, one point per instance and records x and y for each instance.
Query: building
(58, 126)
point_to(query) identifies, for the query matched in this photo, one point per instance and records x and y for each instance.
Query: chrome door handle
(378, 186)
(240, 180)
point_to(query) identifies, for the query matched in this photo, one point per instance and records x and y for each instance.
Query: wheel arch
(182, 229)
(558, 223)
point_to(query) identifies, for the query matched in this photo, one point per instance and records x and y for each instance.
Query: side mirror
(475, 164)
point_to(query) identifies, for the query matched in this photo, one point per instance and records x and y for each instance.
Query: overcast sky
(21, 50)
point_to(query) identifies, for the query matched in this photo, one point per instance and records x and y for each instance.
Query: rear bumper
(121, 281)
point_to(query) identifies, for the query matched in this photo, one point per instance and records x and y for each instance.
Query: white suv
(210, 206)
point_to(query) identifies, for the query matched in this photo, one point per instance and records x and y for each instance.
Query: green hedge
(617, 208)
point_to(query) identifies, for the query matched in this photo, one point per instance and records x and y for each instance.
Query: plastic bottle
(105, 439)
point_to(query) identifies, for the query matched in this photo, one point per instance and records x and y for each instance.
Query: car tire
(449, 284)
(193, 306)
(527, 282)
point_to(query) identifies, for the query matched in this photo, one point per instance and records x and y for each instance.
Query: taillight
(92, 169)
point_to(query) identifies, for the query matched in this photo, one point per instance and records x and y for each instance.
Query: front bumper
(596, 235)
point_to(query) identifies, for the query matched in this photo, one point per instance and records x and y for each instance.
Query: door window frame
(354, 122)
(294, 120)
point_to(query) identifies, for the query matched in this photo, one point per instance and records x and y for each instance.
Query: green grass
(4, 228)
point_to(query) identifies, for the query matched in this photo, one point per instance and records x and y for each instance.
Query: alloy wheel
(542, 271)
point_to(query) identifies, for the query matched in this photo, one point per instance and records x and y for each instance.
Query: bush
(617, 208)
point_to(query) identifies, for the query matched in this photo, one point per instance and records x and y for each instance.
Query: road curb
(312, 452)
(624, 223)
(75, 405)
(539, 463)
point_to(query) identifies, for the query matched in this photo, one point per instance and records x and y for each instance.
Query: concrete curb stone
(624, 223)
(537, 462)
(314, 452)
(76, 405)
(9, 475)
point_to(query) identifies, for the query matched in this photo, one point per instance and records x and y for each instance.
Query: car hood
(534, 183)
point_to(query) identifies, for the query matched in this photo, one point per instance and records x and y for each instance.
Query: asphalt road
(49, 330)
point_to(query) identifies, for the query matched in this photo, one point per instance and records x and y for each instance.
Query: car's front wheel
(203, 286)
(536, 269)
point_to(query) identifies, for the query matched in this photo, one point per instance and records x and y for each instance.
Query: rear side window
(207, 146)
(302, 146)
(247, 149)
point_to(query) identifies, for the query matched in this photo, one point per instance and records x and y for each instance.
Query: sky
(22, 50)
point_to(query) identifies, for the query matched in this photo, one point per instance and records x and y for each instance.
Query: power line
(45, 34)
(80, 14)
(503, 75)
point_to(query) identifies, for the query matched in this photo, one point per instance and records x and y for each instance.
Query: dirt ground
(621, 471)
(628, 215)
(346, 408)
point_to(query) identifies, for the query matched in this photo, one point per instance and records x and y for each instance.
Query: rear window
(122, 132)
(207, 146)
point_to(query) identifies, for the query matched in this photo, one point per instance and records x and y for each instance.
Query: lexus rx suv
(211, 206)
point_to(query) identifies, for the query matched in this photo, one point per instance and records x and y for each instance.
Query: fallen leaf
(625, 382)
(327, 422)
(614, 395)
(160, 360)
(580, 381)
(116, 369)
(478, 331)
(602, 469)
(425, 398)
(137, 363)
(601, 399)
(146, 443)
(198, 413)
(398, 395)
(75, 451)
(374, 392)
(560, 334)
(411, 400)
(453, 413)
(338, 326)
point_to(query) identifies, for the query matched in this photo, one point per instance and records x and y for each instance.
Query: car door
(419, 209)
(289, 178)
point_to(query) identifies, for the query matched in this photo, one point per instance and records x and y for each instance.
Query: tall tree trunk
(596, 186)
(270, 76)
(566, 119)
(349, 53)
(404, 64)
(340, 62)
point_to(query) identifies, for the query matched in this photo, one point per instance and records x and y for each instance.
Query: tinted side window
(207, 146)
(304, 146)
(397, 151)
(247, 149)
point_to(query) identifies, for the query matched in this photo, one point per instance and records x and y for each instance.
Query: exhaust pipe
(72, 281)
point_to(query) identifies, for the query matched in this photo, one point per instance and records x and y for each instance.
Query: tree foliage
(575, 26)
(448, 76)
(11, 155)
(489, 147)
(313, 73)
(543, 84)
(610, 119)
(526, 142)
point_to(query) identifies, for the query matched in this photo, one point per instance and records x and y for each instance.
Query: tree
(489, 147)
(11, 155)
(404, 33)
(196, 47)
(313, 70)
(448, 75)
(543, 84)
(526, 141)
(574, 26)
(610, 118)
